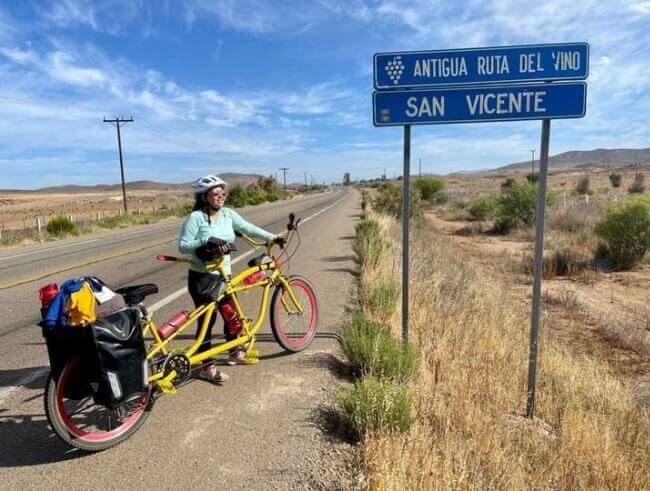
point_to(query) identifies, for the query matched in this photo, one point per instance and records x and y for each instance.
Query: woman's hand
(213, 249)
(218, 246)
(281, 241)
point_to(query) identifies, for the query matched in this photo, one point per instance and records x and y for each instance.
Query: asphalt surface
(269, 426)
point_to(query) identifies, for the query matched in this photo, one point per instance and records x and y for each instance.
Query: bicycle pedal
(253, 353)
(252, 361)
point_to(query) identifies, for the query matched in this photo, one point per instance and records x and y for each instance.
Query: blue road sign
(479, 104)
(533, 63)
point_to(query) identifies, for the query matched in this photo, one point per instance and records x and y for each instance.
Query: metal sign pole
(539, 258)
(405, 232)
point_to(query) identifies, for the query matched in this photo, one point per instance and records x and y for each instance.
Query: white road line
(178, 293)
(31, 377)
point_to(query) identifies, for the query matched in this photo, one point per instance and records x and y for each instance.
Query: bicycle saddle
(135, 294)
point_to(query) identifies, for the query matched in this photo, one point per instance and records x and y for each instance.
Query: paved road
(266, 428)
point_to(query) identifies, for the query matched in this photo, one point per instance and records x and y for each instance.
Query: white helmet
(205, 183)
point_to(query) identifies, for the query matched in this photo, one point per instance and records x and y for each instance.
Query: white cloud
(642, 7)
(22, 57)
(62, 68)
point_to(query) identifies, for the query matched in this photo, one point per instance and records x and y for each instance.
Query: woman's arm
(187, 240)
(247, 228)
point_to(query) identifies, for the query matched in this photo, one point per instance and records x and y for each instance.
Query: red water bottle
(254, 278)
(47, 294)
(233, 323)
(173, 324)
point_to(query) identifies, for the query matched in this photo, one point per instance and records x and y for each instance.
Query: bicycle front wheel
(294, 322)
(82, 423)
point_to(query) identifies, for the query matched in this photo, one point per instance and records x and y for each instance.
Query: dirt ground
(606, 315)
(19, 210)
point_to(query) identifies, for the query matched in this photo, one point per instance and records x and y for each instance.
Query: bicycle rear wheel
(293, 330)
(84, 424)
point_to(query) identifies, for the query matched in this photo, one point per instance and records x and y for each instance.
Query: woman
(205, 234)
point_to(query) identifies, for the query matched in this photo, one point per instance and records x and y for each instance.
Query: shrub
(381, 297)
(615, 179)
(389, 201)
(365, 199)
(637, 186)
(625, 229)
(571, 221)
(483, 208)
(367, 244)
(60, 226)
(532, 177)
(583, 186)
(372, 405)
(372, 350)
(237, 196)
(516, 207)
(430, 189)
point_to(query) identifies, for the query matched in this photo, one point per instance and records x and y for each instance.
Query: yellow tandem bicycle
(85, 424)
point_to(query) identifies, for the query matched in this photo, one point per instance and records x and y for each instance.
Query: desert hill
(585, 158)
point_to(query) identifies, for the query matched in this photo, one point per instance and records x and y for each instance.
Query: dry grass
(474, 348)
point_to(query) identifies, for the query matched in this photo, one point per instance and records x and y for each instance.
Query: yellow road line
(29, 279)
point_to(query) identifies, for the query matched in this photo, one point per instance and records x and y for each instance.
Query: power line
(117, 122)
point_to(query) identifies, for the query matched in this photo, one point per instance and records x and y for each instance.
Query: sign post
(539, 262)
(405, 232)
(482, 85)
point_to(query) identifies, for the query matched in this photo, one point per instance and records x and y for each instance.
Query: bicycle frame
(233, 286)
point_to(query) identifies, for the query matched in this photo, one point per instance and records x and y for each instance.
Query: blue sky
(253, 85)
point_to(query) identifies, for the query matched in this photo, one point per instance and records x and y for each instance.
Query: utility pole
(532, 161)
(305, 178)
(117, 122)
(284, 172)
(420, 169)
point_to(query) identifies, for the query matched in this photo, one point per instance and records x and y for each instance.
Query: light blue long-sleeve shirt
(197, 229)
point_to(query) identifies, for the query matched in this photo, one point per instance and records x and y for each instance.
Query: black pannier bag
(121, 369)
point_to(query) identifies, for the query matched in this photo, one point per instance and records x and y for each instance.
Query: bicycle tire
(62, 424)
(294, 342)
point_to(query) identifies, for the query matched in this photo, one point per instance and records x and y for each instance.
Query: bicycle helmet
(205, 183)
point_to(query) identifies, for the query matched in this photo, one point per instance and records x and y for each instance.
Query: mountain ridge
(140, 185)
(582, 158)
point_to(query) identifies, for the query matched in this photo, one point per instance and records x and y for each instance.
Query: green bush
(237, 196)
(615, 179)
(637, 186)
(583, 186)
(516, 207)
(625, 229)
(389, 202)
(372, 350)
(430, 189)
(372, 405)
(483, 208)
(60, 226)
(381, 297)
(367, 244)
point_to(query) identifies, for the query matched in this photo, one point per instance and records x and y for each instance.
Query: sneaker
(211, 373)
(236, 357)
